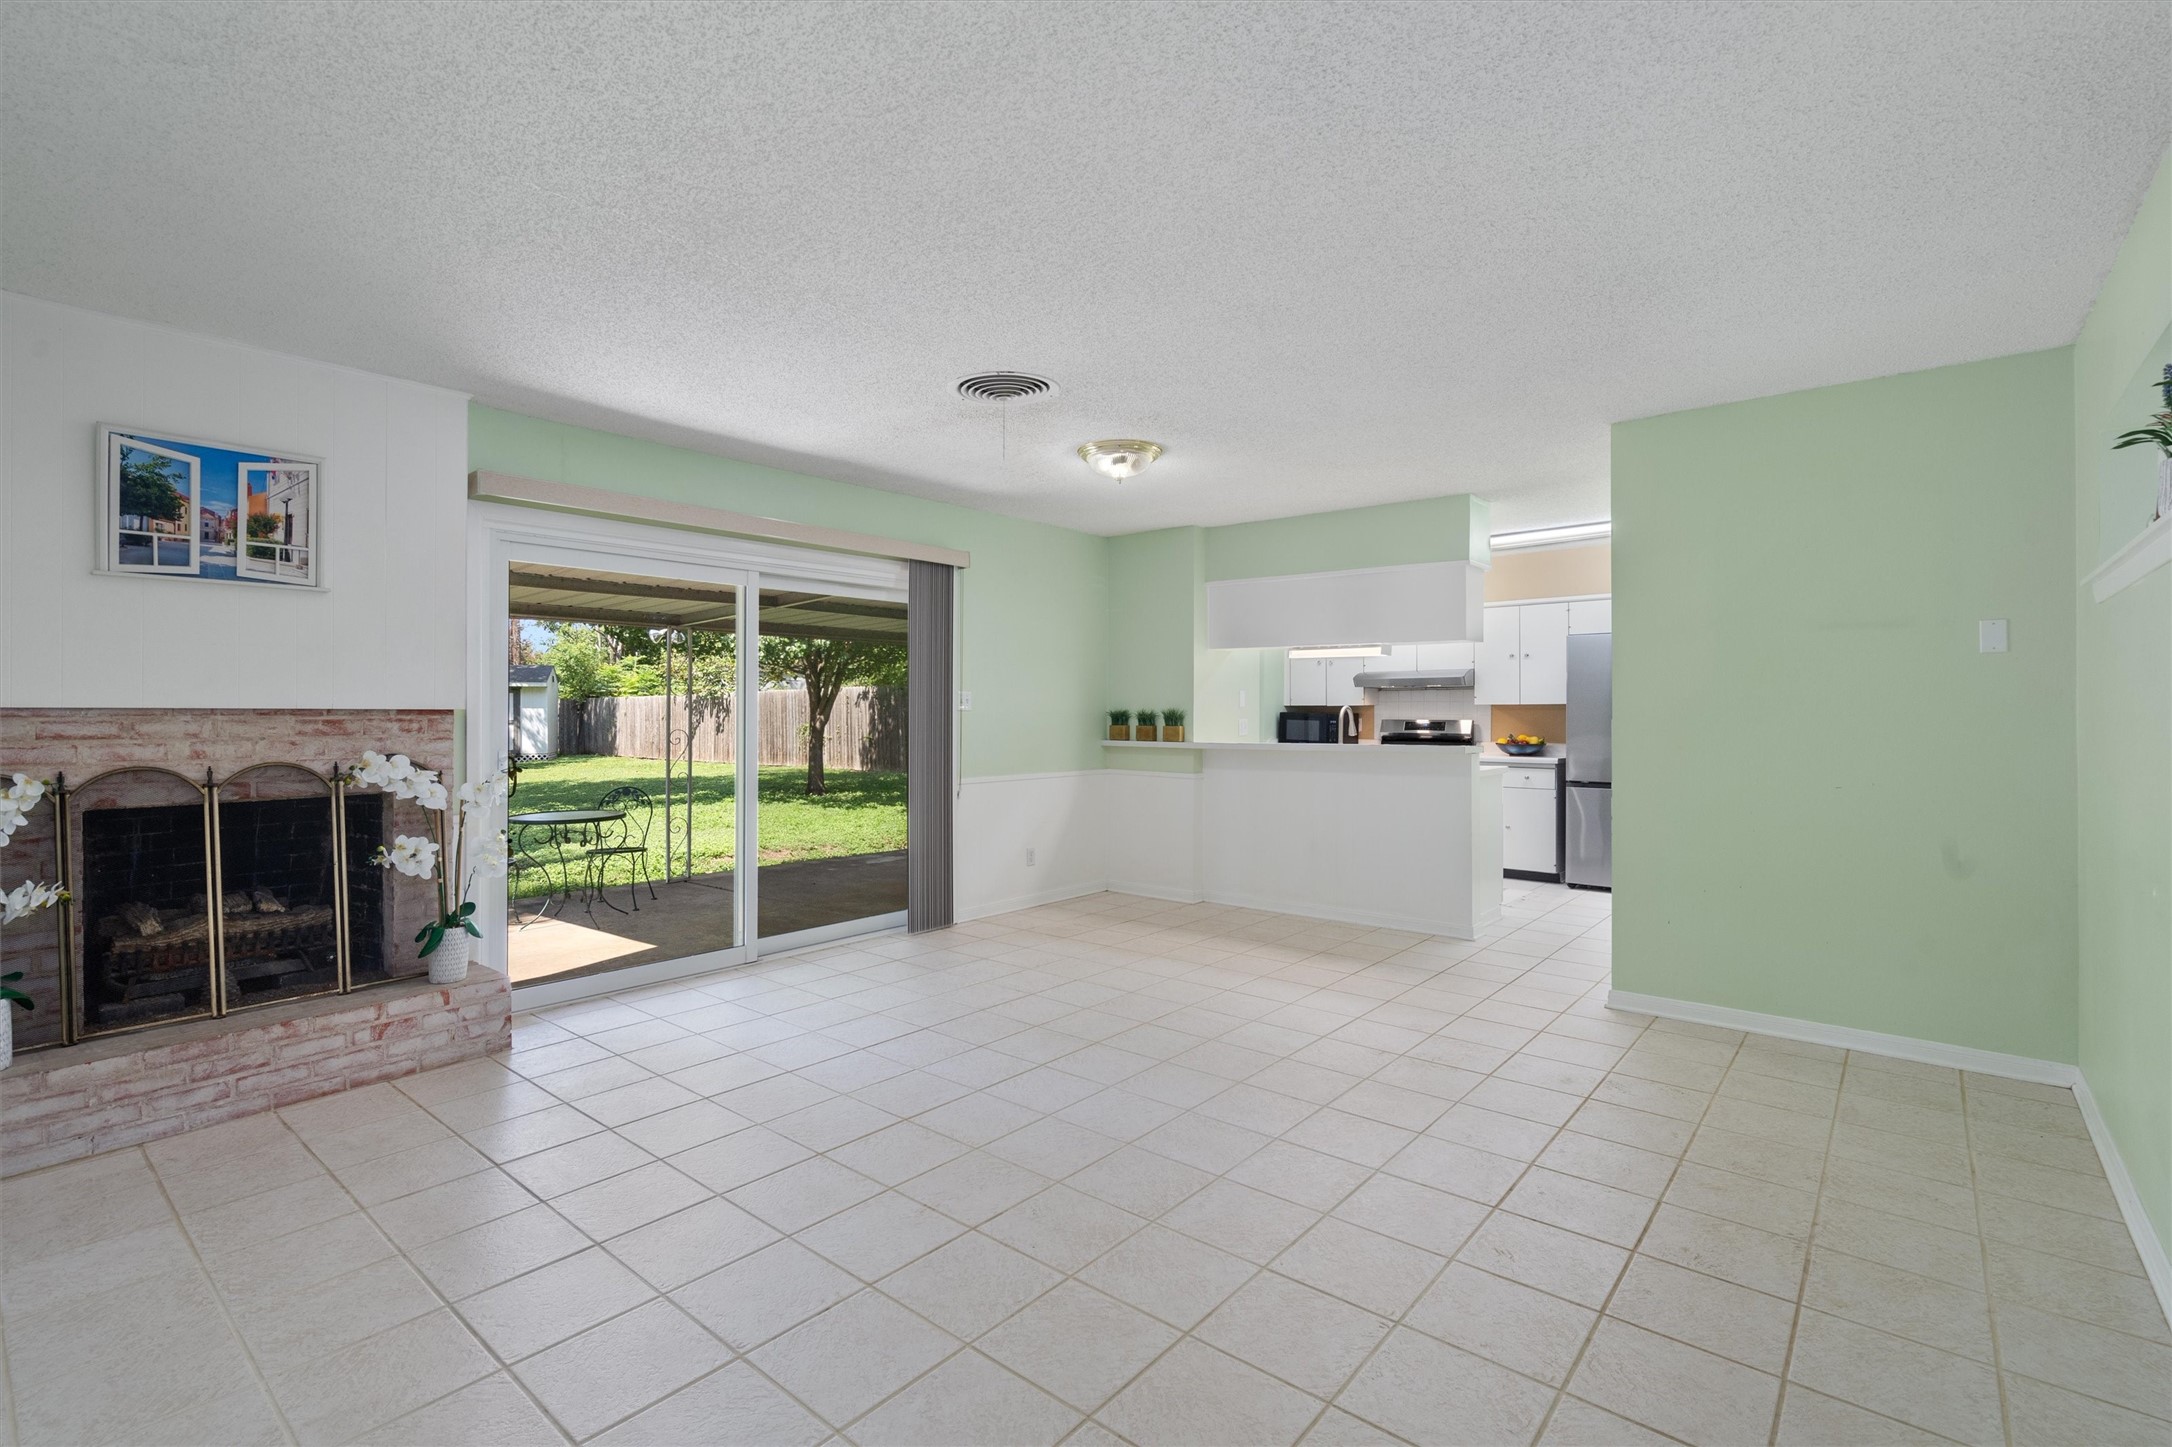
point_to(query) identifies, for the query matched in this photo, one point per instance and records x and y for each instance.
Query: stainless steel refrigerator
(1589, 803)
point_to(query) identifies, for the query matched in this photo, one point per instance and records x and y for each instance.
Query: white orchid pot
(7, 1033)
(2164, 486)
(449, 961)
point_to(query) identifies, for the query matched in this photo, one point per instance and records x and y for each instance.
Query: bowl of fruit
(1522, 745)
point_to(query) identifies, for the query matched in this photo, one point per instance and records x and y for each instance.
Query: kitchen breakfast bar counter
(1398, 837)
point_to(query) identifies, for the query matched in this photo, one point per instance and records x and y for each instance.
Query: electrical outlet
(1244, 726)
(1029, 856)
(965, 701)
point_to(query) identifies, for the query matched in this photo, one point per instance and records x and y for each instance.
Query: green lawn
(863, 813)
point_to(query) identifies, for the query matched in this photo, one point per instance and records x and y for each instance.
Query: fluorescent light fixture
(1347, 650)
(1548, 537)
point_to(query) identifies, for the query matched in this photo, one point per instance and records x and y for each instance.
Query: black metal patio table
(560, 827)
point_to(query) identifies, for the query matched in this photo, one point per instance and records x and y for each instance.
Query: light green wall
(1153, 608)
(1430, 530)
(1828, 804)
(2123, 709)
(1035, 602)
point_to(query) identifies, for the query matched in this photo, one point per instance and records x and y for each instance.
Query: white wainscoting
(1153, 833)
(1059, 816)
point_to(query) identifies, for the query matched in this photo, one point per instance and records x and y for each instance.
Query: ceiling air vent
(1004, 386)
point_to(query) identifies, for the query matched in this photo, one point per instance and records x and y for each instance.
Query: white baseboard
(1959, 1057)
(1155, 891)
(1312, 909)
(1057, 895)
(2154, 1260)
(1814, 1032)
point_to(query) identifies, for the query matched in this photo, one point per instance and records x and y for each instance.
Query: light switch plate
(1991, 636)
(965, 701)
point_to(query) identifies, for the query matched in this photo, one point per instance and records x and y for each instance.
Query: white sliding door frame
(498, 536)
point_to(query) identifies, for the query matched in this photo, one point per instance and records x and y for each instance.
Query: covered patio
(671, 900)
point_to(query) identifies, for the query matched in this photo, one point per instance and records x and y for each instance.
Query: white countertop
(1527, 761)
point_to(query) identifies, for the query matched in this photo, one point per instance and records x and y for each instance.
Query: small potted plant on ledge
(27, 898)
(454, 861)
(1172, 726)
(1120, 724)
(1145, 731)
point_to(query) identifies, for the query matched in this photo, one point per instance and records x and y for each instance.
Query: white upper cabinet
(1524, 657)
(1591, 615)
(1500, 656)
(1305, 681)
(1543, 672)
(1342, 679)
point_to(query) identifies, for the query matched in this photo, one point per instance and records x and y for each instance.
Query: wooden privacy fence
(866, 731)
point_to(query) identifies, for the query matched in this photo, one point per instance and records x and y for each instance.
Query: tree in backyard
(147, 487)
(824, 666)
(584, 663)
(518, 650)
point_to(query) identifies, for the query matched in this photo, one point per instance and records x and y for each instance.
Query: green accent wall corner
(2123, 714)
(1828, 804)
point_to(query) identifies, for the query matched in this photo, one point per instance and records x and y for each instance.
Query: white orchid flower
(480, 795)
(490, 855)
(24, 792)
(425, 790)
(27, 898)
(12, 818)
(372, 771)
(410, 855)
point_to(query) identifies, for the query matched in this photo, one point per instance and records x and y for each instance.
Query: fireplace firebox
(195, 898)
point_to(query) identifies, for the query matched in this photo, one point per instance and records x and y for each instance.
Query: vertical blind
(930, 790)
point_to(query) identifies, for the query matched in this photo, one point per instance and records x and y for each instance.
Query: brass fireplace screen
(193, 899)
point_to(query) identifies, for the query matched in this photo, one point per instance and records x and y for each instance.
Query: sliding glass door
(830, 716)
(623, 744)
(707, 762)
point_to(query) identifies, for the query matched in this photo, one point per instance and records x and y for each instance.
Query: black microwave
(1308, 728)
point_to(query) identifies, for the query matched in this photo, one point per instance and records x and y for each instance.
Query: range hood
(1446, 678)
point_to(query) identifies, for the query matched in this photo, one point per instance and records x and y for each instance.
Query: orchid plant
(455, 860)
(22, 795)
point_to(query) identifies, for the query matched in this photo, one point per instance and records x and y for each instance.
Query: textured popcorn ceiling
(1328, 255)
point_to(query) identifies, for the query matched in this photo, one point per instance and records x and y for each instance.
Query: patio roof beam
(621, 587)
(588, 613)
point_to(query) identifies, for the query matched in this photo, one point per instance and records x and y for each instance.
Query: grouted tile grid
(1111, 1170)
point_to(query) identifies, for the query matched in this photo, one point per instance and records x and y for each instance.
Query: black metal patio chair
(626, 837)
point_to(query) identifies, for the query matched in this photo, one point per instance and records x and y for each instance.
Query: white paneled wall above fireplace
(385, 632)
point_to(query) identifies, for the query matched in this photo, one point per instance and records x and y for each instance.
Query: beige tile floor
(1108, 1171)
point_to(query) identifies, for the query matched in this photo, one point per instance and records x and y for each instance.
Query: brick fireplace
(230, 946)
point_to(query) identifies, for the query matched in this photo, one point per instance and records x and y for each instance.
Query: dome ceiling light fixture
(1119, 457)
